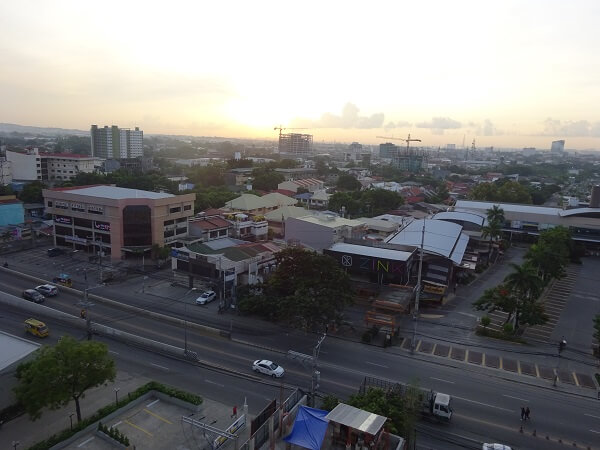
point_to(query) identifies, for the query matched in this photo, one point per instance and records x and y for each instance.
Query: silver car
(268, 368)
(47, 290)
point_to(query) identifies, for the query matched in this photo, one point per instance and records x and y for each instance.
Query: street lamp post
(562, 344)
(15, 444)
(71, 419)
(116, 396)
(86, 305)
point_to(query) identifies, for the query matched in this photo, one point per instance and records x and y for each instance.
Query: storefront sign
(62, 220)
(76, 239)
(94, 208)
(102, 226)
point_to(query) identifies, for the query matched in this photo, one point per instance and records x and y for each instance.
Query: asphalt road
(486, 405)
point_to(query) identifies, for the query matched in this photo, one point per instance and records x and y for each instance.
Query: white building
(25, 166)
(321, 231)
(117, 143)
(65, 166)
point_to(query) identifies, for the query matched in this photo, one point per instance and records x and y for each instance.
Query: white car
(47, 290)
(268, 368)
(496, 447)
(206, 297)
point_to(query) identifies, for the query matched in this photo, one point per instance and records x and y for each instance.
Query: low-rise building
(11, 210)
(310, 184)
(116, 221)
(322, 230)
(65, 166)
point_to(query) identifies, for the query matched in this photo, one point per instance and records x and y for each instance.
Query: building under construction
(410, 160)
(296, 144)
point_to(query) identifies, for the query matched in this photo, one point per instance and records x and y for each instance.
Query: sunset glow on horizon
(509, 74)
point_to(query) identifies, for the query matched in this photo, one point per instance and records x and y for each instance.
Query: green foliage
(123, 178)
(112, 407)
(401, 411)
(76, 144)
(63, 373)
(32, 192)
(372, 202)
(307, 290)
(113, 433)
(366, 337)
(329, 402)
(6, 190)
(485, 321)
(508, 328)
(552, 252)
(239, 163)
(207, 176)
(212, 197)
(266, 179)
(509, 192)
(348, 182)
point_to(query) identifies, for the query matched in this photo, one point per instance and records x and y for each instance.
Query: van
(36, 327)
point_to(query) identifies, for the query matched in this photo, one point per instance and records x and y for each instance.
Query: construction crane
(472, 151)
(280, 128)
(408, 140)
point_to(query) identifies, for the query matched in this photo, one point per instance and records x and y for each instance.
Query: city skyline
(517, 74)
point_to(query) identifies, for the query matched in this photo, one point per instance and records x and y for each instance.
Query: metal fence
(262, 433)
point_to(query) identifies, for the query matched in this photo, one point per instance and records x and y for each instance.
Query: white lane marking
(484, 404)
(117, 424)
(214, 382)
(591, 415)
(152, 403)
(85, 442)
(468, 315)
(440, 379)
(114, 353)
(594, 431)
(516, 398)
(375, 364)
(160, 367)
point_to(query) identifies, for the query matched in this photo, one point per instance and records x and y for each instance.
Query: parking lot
(157, 424)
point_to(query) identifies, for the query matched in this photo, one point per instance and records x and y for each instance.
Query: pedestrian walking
(522, 413)
(527, 412)
(234, 412)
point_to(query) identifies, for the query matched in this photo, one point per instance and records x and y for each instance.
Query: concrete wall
(313, 235)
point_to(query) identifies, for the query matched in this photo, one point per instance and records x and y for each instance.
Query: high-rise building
(296, 144)
(558, 146)
(117, 143)
(388, 150)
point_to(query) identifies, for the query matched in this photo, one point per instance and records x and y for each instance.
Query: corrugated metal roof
(440, 237)
(247, 202)
(277, 199)
(331, 221)
(376, 252)
(507, 207)
(465, 216)
(577, 211)
(357, 419)
(285, 212)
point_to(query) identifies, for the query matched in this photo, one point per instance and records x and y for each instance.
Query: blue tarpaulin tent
(309, 428)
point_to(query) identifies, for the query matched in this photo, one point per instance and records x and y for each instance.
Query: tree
(597, 327)
(212, 197)
(307, 290)
(496, 214)
(492, 230)
(514, 192)
(348, 183)
(266, 179)
(497, 298)
(484, 192)
(63, 373)
(32, 193)
(526, 286)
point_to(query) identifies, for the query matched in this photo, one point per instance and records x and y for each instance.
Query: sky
(503, 73)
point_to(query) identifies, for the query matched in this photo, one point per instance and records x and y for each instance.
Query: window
(137, 226)
(187, 207)
(169, 222)
(169, 233)
(181, 230)
(49, 203)
(175, 210)
(182, 219)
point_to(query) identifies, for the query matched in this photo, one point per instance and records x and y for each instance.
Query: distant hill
(6, 128)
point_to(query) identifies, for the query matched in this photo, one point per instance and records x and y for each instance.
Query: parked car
(496, 447)
(268, 368)
(55, 251)
(206, 297)
(47, 290)
(33, 296)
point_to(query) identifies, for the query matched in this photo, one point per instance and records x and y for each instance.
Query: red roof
(210, 223)
(213, 212)
(9, 201)
(415, 199)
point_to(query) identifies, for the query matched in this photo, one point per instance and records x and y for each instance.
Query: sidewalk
(28, 432)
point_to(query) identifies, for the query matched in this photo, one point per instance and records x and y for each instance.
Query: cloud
(578, 128)
(348, 119)
(439, 124)
(398, 124)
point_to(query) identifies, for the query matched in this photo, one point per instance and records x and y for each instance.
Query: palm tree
(525, 284)
(495, 214)
(491, 230)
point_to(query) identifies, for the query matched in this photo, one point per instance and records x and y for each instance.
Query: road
(486, 404)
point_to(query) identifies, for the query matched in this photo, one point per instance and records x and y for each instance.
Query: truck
(433, 404)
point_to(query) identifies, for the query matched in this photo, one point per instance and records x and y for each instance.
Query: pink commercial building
(117, 220)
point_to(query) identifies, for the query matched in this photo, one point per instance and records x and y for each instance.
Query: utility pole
(413, 344)
(313, 361)
(562, 344)
(85, 309)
